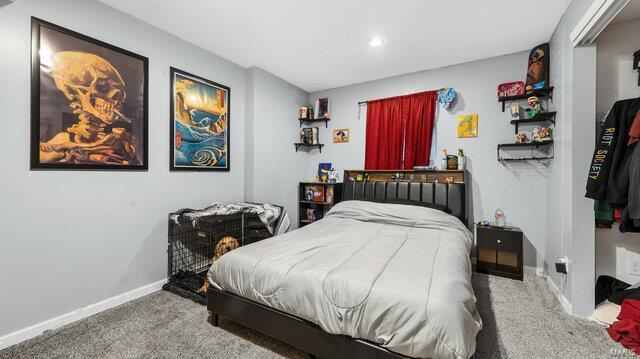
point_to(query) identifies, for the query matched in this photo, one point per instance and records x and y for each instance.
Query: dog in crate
(224, 246)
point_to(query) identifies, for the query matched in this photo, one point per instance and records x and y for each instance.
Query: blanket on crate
(274, 217)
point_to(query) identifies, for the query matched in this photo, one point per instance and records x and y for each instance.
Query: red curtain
(399, 131)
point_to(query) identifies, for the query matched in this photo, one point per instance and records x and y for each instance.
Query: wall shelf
(313, 120)
(540, 117)
(299, 144)
(545, 92)
(319, 208)
(526, 144)
(542, 146)
(314, 202)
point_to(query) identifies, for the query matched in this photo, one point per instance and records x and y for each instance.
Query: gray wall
(70, 239)
(276, 167)
(570, 222)
(519, 189)
(617, 81)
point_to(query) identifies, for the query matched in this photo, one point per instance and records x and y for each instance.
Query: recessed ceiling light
(377, 41)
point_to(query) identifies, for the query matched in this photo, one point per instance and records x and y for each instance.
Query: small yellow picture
(467, 126)
(341, 135)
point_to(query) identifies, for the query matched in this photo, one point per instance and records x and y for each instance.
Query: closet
(618, 102)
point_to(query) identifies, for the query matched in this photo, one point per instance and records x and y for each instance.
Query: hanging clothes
(604, 214)
(634, 132)
(609, 170)
(633, 205)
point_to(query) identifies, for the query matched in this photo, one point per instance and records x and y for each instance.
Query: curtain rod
(360, 103)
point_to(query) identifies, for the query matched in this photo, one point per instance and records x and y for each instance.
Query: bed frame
(424, 186)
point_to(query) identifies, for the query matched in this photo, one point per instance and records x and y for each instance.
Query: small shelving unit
(314, 120)
(320, 207)
(300, 144)
(540, 150)
(542, 146)
(542, 93)
(549, 117)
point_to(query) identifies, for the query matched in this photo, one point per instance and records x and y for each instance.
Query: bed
(371, 280)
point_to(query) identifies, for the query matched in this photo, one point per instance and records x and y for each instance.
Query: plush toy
(521, 137)
(544, 133)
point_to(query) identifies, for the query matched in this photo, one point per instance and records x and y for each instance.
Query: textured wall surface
(518, 188)
(82, 237)
(569, 216)
(276, 167)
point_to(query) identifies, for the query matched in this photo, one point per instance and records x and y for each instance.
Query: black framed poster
(89, 102)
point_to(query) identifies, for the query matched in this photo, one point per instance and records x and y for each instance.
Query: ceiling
(630, 12)
(324, 44)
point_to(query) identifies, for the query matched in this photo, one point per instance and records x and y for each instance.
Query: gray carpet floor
(521, 320)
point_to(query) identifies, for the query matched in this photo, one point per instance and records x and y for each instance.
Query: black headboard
(447, 188)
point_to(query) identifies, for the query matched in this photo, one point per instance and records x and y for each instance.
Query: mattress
(395, 275)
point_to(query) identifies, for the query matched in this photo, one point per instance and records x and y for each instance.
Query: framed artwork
(341, 135)
(200, 114)
(467, 126)
(89, 102)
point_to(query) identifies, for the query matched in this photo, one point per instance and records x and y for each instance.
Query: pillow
(410, 202)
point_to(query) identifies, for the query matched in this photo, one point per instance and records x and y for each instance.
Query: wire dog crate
(192, 244)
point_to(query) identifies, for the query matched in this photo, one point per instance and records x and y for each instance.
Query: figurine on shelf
(535, 108)
(541, 134)
(333, 176)
(515, 110)
(461, 159)
(521, 137)
(544, 134)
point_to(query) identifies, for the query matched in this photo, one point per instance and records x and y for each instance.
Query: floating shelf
(540, 117)
(527, 158)
(314, 202)
(299, 144)
(313, 120)
(527, 144)
(532, 145)
(545, 92)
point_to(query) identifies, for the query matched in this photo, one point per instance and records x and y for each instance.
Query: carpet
(521, 320)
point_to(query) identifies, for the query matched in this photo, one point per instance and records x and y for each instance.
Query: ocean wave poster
(199, 123)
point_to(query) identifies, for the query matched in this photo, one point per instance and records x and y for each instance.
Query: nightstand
(499, 251)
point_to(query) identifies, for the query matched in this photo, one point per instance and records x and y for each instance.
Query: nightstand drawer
(500, 240)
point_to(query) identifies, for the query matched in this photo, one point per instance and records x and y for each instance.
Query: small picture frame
(341, 135)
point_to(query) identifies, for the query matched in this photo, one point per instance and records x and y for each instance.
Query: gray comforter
(395, 275)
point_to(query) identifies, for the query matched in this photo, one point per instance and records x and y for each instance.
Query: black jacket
(609, 171)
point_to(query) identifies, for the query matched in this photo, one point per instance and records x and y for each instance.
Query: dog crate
(192, 244)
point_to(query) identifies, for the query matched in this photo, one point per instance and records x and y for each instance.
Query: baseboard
(534, 271)
(558, 293)
(75, 315)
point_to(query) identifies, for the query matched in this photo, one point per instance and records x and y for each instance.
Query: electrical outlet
(633, 266)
